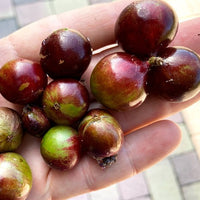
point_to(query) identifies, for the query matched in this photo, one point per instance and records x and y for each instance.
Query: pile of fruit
(56, 102)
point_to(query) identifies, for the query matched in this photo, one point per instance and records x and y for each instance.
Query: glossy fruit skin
(66, 53)
(22, 81)
(175, 74)
(15, 177)
(65, 101)
(146, 26)
(60, 147)
(11, 131)
(118, 81)
(101, 136)
(34, 120)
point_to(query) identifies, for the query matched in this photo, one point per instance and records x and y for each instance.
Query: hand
(148, 137)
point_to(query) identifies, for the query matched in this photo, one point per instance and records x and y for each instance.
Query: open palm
(148, 138)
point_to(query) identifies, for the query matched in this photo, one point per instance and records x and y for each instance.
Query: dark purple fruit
(11, 131)
(65, 101)
(146, 26)
(65, 53)
(34, 120)
(118, 81)
(60, 147)
(101, 136)
(174, 74)
(22, 81)
(15, 177)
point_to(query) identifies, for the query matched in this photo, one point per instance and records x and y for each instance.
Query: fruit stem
(155, 61)
(107, 161)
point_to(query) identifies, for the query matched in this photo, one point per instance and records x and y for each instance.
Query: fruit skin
(175, 74)
(118, 81)
(146, 26)
(66, 53)
(60, 147)
(34, 120)
(15, 177)
(101, 136)
(22, 81)
(65, 101)
(11, 131)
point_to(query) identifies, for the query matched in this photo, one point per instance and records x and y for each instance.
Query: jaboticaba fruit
(15, 177)
(101, 136)
(60, 147)
(118, 81)
(11, 131)
(22, 81)
(65, 53)
(175, 74)
(146, 26)
(65, 101)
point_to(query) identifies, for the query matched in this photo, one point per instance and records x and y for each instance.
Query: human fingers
(141, 149)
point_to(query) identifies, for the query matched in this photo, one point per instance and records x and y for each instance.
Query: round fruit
(34, 120)
(101, 136)
(15, 177)
(11, 131)
(146, 26)
(118, 81)
(22, 81)
(175, 74)
(60, 147)
(65, 101)
(65, 53)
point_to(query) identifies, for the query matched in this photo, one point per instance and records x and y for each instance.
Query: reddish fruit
(22, 81)
(65, 53)
(146, 26)
(11, 131)
(118, 81)
(15, 177)
(60, 147)
(174, 74)
(65, 101)
(35, 121)
(101, 136)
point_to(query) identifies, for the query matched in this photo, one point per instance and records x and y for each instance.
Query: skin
(139, 151)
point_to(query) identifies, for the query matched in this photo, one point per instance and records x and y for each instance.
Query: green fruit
(15, 177)
(11, 131)
(60, 147)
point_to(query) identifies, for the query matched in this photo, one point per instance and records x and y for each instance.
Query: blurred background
(175, 178)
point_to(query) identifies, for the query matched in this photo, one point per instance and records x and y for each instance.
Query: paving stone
(162, 182)
(7, 26)
(142, 198)
(192, 119)
(196, 142)
(63, 5)
(98, 1)
(187, 167)
(27, 13)
(107, 193)
(25, 1)
(186, 144)
(177, 118)
(6, 9)
(192, 192)
(133, 187)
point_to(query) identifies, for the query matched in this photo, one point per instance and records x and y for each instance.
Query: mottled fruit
(66, 53)
(22, 81)
(65, 101)
(146, 26)
(101, 136)
(60, 147)
(34, 120)
(175, 74)
(15, 177)
(118, 81)
(11, 131)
